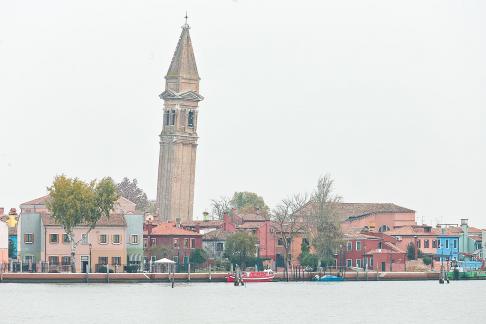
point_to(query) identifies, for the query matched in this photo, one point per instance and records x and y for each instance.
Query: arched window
(190, 119)
(166, 117)
(172, 117)
(383, 228)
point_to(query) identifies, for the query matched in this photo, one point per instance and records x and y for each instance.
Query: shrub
(427, 260)
(102, 269)
(131, 268)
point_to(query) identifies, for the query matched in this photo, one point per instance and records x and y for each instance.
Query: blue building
(448, 247)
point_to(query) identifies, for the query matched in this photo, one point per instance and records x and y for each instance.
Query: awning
(135, 257)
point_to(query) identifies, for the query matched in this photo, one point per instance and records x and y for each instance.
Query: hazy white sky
(389, 97)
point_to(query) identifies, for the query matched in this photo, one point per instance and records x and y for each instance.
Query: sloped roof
(252, 217)
(117, 207)
(413, 230)
(350, 211)
(216, 235)
(358, 236)
(183, 62)
(203, 224)
(250, 225)
(38, 201)
(171, 229)
(113, 220)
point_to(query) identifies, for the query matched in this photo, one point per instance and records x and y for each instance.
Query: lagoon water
(279, 302)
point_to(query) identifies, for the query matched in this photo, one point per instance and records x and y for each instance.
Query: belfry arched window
(190, 119)
(166, 117)
(172, 117)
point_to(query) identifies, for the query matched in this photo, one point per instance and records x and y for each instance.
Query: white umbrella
(165, 260)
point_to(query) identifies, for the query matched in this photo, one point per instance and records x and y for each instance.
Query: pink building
(423, 237)
(105, 245)
(3, 244)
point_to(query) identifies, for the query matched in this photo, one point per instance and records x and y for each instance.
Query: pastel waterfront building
(30, 239)
(102, 246)
(11, 220)
(134, 241)
(115, 241)
(3, 244)
(470, 241)
(483, 235)
(423, 237)
(448, 247)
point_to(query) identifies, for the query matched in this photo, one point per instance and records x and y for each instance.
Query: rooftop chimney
(2, 210)
(178, 222)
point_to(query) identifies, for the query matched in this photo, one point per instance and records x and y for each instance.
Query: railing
(104, 268)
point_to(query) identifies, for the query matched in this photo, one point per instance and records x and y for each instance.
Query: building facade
(448, 247)
(170, 240)
(134, 239)
(114, 242)
(178, 139)
(3, 245)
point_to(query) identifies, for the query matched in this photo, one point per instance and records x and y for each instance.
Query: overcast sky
(389, 97)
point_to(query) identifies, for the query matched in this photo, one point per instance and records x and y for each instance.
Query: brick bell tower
(178, 139)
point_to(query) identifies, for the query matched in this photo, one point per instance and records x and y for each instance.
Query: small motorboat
(253, 276)
(327, 278)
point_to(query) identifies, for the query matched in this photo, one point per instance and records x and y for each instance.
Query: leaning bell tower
(178, 139)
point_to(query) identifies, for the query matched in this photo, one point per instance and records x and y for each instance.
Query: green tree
(323, 222)
(411, 251)
(73, 202)
(248, 201)
(130, 190)
(306, 258)
(240, 248)
(198, 256)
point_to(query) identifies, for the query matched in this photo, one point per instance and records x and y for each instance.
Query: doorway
(85, 264)
(383, 266)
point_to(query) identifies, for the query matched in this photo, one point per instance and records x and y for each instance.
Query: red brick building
(171, 241)
(372, 251)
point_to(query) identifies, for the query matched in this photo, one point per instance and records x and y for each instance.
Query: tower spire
(183, 72)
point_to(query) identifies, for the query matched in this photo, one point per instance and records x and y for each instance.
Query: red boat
(253, 276)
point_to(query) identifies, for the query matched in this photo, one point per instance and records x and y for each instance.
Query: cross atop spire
(186, 25)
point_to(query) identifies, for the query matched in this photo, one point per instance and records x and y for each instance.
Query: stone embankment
(200, 277)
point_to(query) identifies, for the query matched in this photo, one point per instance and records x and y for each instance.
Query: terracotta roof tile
(250, 225)
(203, 224)
(354, 210)
(38, 201)
(113, 220)
(216, 235)
(171, 229)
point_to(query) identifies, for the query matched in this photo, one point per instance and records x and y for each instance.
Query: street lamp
(90, 257)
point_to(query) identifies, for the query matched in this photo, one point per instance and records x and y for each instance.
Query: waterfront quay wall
(198, 277)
